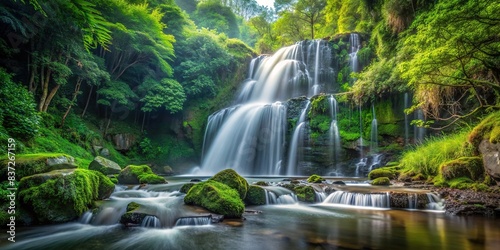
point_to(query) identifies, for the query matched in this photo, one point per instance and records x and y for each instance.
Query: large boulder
(233, 180)
(30, 164)
(491, 159)
(217, 198)
(104, 166)
(123, 142)
(62, 195)
(141, 174)
(470, 167)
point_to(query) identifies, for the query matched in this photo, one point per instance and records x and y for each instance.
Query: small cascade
(407, 123)
(419, 132)
(412, 201)
(376, 161)
(297, 140)
(360, 133)
(374, 133)
(279, 195)
(151, 221)
(355, 46)
(319, 196)
(194, 221)
(215, 121)
(435, 203)
(86, 217)
(334, 131)
(360, 166)
(380, 200)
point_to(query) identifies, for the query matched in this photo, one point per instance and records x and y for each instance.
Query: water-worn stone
(104, 166)
(491, 159)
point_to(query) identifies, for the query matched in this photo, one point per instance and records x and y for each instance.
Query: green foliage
(256, 195)
(61, 196)
(381, 172)
(212, 15)
(17, 109)
(216, 197)
(167, 93)
(427, 158)
(381, 181)
(315, 179)
(233, 180)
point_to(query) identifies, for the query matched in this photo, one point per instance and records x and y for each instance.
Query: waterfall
(359, 199)
(334, 131)
(355, 45)
(86, 217)
(319, 196)
(419, 132)
(374, 133)
(151, 221)
(295, 143)
(194, 221)
(250, 136)
(407, 124)
(360, 132)
(279, 195)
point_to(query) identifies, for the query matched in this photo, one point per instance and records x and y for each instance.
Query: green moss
(380, 172)
(135, 174)
(315, 179)
(186, 187)
(460, 183)
(488, 129)
(30, 164)
(132, 206)
(305, 193)
(216, 197)
(261, 183)
(256, 195)
(349, 136)
(151, 179)
(471, 167)
(233, 180)
(381, 181)
(62, 195)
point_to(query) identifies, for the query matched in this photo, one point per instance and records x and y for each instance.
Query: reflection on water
(288, 226)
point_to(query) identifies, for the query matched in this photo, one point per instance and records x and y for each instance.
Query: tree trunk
(88, 101)
(50, 97)
(45, 78)
(75, 94)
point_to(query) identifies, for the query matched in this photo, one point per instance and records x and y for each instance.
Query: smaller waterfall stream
(374, 133)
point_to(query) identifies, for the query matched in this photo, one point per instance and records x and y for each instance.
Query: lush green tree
(213, 15)
(17, 109)
(311, 12)
(450, 57)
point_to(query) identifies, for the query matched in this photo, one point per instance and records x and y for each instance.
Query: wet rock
(195, 180)
(338, 183)
(105, 166)
(491, 159)
(123, 142)
(133, 216)
(31, 164)
(469, 202)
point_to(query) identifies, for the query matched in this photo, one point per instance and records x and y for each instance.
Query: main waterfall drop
(250, 136)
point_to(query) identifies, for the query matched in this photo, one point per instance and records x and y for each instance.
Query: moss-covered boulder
(133, 215)
(381, 181)
(30, 164)
(256, 195)
(104, 166)
(185, 188)
(305, 193)
(315, 179)
(142, 174)
(62, 195)
(380, 172)
(470, 167)
(233, 180)
(217, 198)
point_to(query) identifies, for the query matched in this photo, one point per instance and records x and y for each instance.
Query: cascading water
(250, 137)
(355, 46)
(279, 195)
(334, 131)
(293, 155)
(419, 132)
(374, 133)
(380, 200)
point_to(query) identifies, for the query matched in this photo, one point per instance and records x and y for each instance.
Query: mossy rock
(62, 195)
(233, 180)
(141, 174)
(261, 183)
(151, 179)
(381, 181)
(186, 187)
(216, 197)
(380, 172)
(104, 166)
(305, 193)
(470, 167)
(256, 195)
(315, 179)
(133, 215)
(30, 164)
(488, 129)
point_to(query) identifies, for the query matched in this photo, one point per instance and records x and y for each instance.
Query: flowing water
(283, 224)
